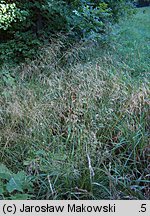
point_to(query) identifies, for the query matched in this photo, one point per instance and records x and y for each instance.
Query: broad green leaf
(16, 182)
(5, 173)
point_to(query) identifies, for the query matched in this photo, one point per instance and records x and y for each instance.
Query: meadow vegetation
(76, 126)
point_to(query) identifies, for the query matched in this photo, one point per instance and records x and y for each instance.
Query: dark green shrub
(24, 25)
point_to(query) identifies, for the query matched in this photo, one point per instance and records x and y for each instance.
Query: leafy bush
(36, 21)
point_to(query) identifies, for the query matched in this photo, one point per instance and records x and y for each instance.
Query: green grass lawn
(80, 131)
(132, 39)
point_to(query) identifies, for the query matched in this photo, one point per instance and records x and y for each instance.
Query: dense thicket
(26, 24)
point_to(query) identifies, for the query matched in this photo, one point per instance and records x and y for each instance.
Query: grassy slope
(82, 132)
(133, 42)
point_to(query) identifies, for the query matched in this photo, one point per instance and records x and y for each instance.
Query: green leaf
(13, 185)
(20, 197)
(5, 173)
(16, 182)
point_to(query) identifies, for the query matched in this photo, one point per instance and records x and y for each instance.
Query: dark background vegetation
(33, 23)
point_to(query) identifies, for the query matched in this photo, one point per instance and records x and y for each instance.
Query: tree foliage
(30, 22)
(10, 14)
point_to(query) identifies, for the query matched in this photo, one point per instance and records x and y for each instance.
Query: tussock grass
(81, 131)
